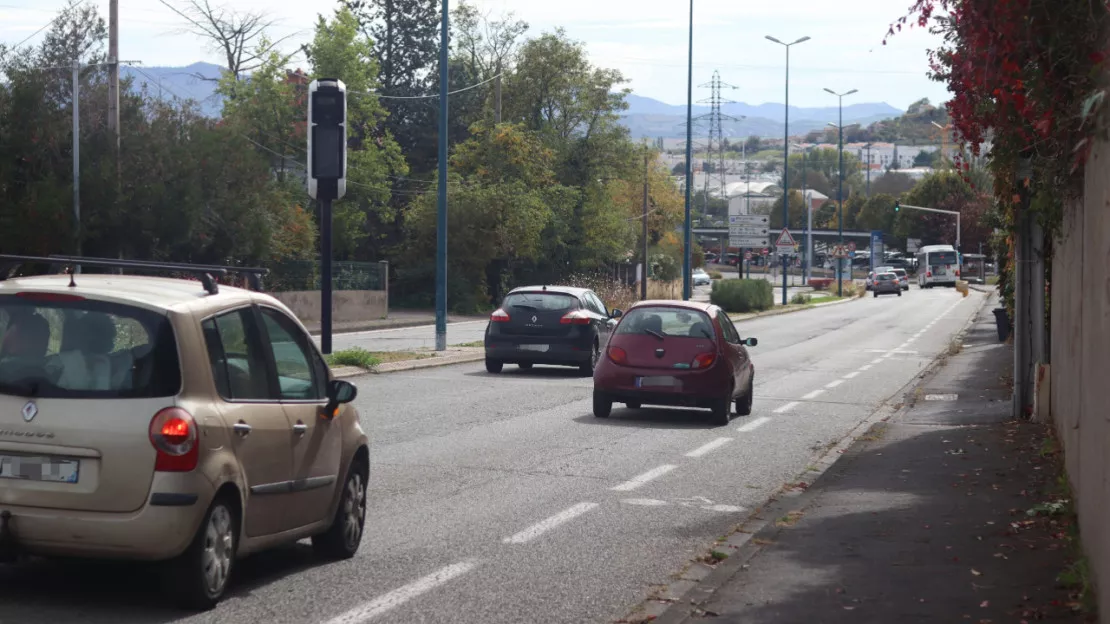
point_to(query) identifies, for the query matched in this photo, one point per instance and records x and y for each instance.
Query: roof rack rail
(206, 273)
(254, 274)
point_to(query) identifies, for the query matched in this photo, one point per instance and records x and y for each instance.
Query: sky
(645, 39)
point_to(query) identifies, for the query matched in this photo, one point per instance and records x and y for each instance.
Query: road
(501, 499)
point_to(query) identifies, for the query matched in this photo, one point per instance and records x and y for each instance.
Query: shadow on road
(653, 418)
(42, 590)
(538, 372)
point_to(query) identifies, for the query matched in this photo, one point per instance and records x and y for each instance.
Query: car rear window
(58, 347)
(942, 257)
(552, 302)
(667, 322)
(885, 277)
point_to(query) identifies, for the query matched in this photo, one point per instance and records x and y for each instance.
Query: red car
(681, 353)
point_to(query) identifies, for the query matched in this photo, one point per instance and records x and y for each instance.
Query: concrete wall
(348, 306)
(1080, 357)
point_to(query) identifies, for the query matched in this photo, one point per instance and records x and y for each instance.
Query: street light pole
(786, 154)
(441, 200)
(687, 249)
(840, 191)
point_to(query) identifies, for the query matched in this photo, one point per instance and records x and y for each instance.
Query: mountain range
(645, 117)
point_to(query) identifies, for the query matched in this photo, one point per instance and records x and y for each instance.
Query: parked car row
(678, 353)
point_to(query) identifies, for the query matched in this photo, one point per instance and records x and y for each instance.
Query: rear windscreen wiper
(654, 333)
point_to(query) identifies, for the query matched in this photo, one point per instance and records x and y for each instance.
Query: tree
(892, 183)
(923, 159)
(753, 144)
(797, 212)
(239, 36)
(877, 213)
(945, 190)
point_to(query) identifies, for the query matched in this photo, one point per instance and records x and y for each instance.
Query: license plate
(940, 271)
(657, 382)
(533, 347)
(50, 469)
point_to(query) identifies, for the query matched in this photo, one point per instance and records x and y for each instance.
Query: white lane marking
(813, 395)
(401, 595)
(786, 408)
(725, 508)
(705, 448)
(865, 367)
(755, 424)
(852, 375)
(636, 482)
(878, 360)
(543, 526)
(833, 384)
(644, 502)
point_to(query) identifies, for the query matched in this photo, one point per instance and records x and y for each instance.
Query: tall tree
(240, 36)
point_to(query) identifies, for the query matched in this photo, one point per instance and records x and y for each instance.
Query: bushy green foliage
(742, 295)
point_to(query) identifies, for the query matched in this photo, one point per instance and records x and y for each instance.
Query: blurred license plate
(940, 271)
(531, 347)
(39, 468)
(657, 382)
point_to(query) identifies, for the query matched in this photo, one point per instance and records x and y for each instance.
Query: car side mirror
(750, 342)
(340, 392)
(616, 313)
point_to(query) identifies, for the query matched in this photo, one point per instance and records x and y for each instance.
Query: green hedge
(742, 295)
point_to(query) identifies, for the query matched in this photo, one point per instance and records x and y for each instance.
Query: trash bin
(1002, 320)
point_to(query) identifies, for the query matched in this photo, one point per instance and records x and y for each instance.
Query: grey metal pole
(786, 170)
(809, 225)
(325, 275)
(687, 243)
(77, 155)
(644, 277)
(840, 200)
(441, 203)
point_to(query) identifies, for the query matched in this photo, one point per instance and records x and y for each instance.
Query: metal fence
(293, 275)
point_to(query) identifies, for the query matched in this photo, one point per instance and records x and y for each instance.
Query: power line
(47, 25)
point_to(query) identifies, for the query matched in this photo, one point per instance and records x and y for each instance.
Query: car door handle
(300, 428)
(241, 429)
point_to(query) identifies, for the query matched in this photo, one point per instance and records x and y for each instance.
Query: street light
(786, 152)
(840, 190)
(687, 247)
(809, 221)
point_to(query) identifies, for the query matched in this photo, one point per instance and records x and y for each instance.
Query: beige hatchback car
(173, 420)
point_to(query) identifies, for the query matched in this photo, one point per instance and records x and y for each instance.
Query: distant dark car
(556, 325)
(680, 353)
(886, 284)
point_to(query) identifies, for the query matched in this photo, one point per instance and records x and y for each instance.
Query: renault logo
(30, 410)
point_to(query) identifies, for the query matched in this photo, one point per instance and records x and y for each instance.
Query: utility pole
(497, 96)
(809, 223)
(687, 246)
(840, 191)
(441, 201)
(868, 171)
(77, 155)
(644, 277)
(113, 81)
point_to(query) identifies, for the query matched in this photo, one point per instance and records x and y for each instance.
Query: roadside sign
(766, 251)
(746, 241)
(764, 220)
(747, 255)
(785, 243)
(851, 245)
(751, 226)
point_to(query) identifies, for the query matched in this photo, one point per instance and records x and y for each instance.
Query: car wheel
(632, 405)
(525, 366)
(595, 356)
(494, 366)
(603, 405)
(899, 293)
(744, 403)
(198, 577)
(343, 537)
(721, 409)
(876, 293)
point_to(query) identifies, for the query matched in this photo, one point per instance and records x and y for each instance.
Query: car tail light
(704, 360)
(49, 297)
(173, 432)
(928, 273)
(578, 317)
(618, 355)
(499, 316)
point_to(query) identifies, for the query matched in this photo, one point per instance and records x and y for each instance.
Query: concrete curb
(343, 372)
(682, 599)
(749, 316)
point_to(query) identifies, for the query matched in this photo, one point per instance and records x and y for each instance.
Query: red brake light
(499, 316)
(48, 296)
(618, 355)
(704, 360)
(577, 317)
(928, 273)
(173, 432)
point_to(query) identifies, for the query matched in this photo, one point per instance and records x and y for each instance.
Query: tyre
(632, 405)
(525, 366)
(899, 293)
(343, 537)
(494, 366)
(603, 405)
(595, 355)
(720, 413)
(744, 403)
(876, 295)
(198, 577)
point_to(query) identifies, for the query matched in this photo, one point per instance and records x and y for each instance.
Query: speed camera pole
(327, 170)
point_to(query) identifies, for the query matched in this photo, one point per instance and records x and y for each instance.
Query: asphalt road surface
(497, 499)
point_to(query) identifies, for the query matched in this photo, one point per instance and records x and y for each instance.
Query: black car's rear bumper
(525, 350)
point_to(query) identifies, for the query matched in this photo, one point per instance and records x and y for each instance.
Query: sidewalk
(924, 519)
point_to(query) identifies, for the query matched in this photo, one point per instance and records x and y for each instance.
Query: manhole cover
(941, 397)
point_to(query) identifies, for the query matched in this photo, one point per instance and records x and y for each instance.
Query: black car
(556, 325)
